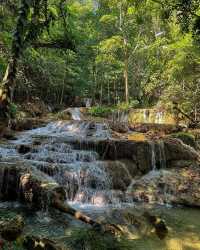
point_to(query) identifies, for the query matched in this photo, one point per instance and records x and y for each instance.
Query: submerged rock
(36, 243)
(134, 221)
(10, 230)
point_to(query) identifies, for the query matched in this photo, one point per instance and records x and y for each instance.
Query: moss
(186, 138)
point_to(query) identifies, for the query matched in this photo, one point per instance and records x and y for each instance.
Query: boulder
(27, 184)
(186, 138)
(119, 174)
(27, 123)
(175, 149)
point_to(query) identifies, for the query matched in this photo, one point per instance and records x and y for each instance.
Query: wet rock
(27, 123)
(26, 184)
(131, 167)
(37, 189)
(119, 175)
(119, 127)
(9, 180)
(36, 243)
(177, 186)
(143, 154)
(24, 149)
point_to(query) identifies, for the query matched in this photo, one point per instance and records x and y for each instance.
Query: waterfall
(153, 155)
(86, 179)
(157, 152)
(76, 114)
(162, 157)
(159, 117)
(120, 116)
(146, 115)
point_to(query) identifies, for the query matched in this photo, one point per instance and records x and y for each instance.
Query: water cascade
(157, 152)
(81, 172)
(152, 116)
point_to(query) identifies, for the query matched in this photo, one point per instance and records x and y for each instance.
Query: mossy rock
(186, 138)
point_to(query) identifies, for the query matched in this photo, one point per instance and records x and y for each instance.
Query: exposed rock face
(144, 154)
(177, 186)
(21, 182)
(176, 150)
(119, 174)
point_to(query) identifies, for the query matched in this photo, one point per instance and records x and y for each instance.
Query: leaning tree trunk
(16, 50)
(6, 88)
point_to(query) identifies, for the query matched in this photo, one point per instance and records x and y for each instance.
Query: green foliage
(101, 111)
(126, 106)
(148, 37)
(13, 110)
(92, 240)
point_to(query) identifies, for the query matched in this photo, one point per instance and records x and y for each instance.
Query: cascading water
(88, 183)
(146, 115)
(153, 155)
(159, 117)
(157, 152)
(83, 175)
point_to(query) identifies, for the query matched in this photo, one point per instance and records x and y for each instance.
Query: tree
(34, 16)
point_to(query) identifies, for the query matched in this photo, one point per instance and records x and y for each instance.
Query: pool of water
(183, 225)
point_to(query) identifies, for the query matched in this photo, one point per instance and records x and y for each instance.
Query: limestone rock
(178, 186)
(175, 149)
(119, 174)
(186, 138)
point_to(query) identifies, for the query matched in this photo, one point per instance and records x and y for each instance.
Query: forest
(99, 124)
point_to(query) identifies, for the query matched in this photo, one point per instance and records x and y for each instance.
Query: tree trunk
(58, 204)
(6, 88)
(126, 72)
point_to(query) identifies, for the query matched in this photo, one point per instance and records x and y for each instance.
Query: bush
(126, 106)
(101, 111)
(13, 110)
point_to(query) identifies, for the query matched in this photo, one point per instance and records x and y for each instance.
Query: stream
(89, 187)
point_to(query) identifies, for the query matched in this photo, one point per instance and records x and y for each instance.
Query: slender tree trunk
(16, 50)
(122, 19)
(126, 71)
(7, 86)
